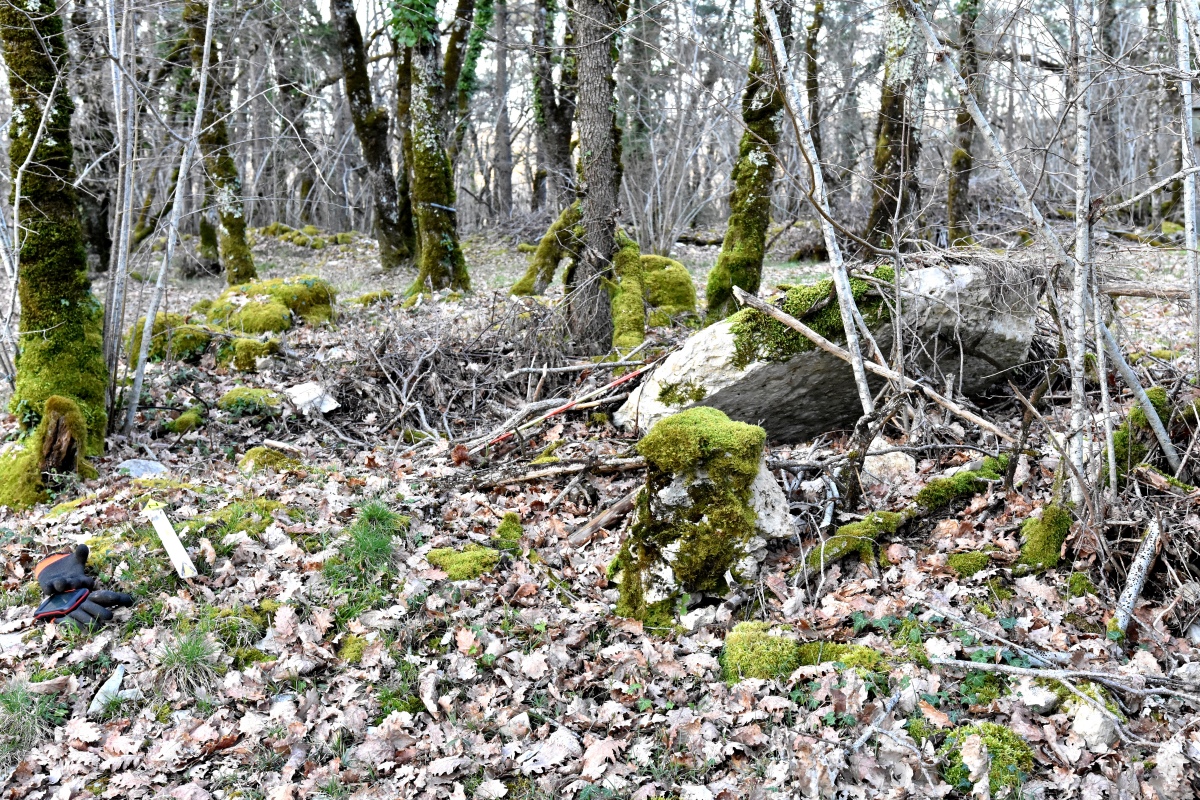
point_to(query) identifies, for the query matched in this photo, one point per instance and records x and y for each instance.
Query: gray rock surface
(967, 321)
(142, 468)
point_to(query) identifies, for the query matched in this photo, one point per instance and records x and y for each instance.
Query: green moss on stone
(756, 650)
(244, 401)
(628, 301)
(758, 337)
(668, 288)
(967, 564)
(270, 306)
(244, 353)
(171, 335)
(681, 394)
(1011, 758)
(259, 458)
(940, 492)
(465, 564)
(856, 537)
(186, 422)
(1044, 538)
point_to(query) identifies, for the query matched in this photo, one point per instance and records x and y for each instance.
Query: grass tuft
(190, 660)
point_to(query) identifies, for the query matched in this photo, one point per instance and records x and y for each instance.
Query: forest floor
(326, 649)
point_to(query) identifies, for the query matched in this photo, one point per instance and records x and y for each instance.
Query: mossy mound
(941, 492)
(270, 306)
(508, 534)
(1131, 441)
(244, 353)
(21, 480)
(967, 564)
(259, 458)
(352, 649)
(1044, 539)
(1080, 585)
(308, 236)
(856, 537)
(373, 298)
(186, 422)
(1011, 757)
(170, 335)
(668, 288)
(694, 516)
(758, 650)
(628, 300)
(245, 402)
(465, 564)
(758, 337)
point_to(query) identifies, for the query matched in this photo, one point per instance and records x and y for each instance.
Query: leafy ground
(327, 650)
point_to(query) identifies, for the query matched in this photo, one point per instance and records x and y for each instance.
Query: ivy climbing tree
(741, 258)
(59, 394)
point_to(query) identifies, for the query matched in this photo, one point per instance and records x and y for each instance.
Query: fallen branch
(604, 519)
(820, 341)
(1147, 552)
(572, 368)
(1142, 290)
(555, 470)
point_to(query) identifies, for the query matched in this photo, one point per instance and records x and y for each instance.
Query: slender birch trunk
(1082, 21)
(1184, 16)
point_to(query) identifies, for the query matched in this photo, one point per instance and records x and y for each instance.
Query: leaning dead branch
(1138, 570)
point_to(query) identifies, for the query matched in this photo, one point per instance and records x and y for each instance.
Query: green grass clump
(967, 564)
(508, 534)
(189, 660)
(25, 718)
(1012, 758)
(1044, 539)
(245, 402)
(756, 650)
(465, 564)
(361, 573)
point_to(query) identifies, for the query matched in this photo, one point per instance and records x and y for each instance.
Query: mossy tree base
(56, 446)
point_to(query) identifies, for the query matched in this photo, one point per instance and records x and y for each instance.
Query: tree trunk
(958, 185)
(812, 85)
(589, 313)
(554, 106)
(408, 219)
(60, 363)
(462, 82)
(218, 157)
(504, 159)
(897, 134)
(441, 264)
(371, 125)
(741, 258)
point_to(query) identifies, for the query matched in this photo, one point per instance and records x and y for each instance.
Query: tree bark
(812, 84)
(441, 264)
(504, 158)
(742, 250)
(589, 313)
(896, 192)
(371, 125)
(554, 105)
(958, 185)
(408, 219)
(60, 352)
(219, 165)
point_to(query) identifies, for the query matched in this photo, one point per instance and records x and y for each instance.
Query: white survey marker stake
(162, 526)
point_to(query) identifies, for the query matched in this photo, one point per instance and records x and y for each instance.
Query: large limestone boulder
(706, 515)
(968, 321)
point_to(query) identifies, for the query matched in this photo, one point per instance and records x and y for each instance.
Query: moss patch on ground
(270, 306)
(170, 335)
(257, 459)
(856, 537)
(1044, 539)
(1011, 757)
(941, 492)
(967, 564)
(244, 401)
(757, 650)
(244, 353)
(758, 337)
(508, 534)
(373, 298)
(694, 514)
(466, 564)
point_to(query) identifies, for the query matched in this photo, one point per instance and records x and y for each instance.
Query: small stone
(1095, 727)
(1188, 673)
(694, 620)
(311, 398)
(142, 468)
(888, 468)
(1036, 698)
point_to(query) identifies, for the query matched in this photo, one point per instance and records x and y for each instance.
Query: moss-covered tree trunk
(896, 192)
(504, 156)
(812, 82)
(589, 314)
(741, 258)
(958, 187)
(219, 165)
(441, 264)
(371, 126)
(460, 75)
(408, 220)
(60, 366)
(554, 104)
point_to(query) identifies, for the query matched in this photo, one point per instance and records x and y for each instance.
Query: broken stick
(1147, 552)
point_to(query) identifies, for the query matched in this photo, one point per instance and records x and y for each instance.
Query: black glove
(63, 572)
(85, 608)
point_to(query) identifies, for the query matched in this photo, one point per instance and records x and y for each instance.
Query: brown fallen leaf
(597, 756)
(937, 718)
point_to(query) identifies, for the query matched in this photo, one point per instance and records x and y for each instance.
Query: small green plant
(190, 659)
(25, 718)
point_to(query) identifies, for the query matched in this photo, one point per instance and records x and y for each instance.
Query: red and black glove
(71, 592)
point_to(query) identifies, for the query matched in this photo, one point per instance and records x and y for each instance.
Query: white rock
(311, 398)
(773, 520)
(1189, 672)
(693, 620)
(1095, 727)
(142, 468)
(1037, 699)
(887, 468)
(961, 309)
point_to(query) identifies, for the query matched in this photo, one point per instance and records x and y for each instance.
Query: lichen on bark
(742, 250)
(60, 352)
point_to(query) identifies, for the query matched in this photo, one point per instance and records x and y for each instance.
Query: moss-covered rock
(758, 337)
(628, 301)
(681, 394)
(244, 401)
(508, 534)
(1011, 758)
(967, 564)
(856, 538)
(694, 517)
(170, 335)
(373, 298)
(668, 289)
(270, 306)
(186, 422)
(259, 458)
(244, 353)
(758, 650)
(941, 492)
(1043, 539)
(1131, 441)
(466, 564)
